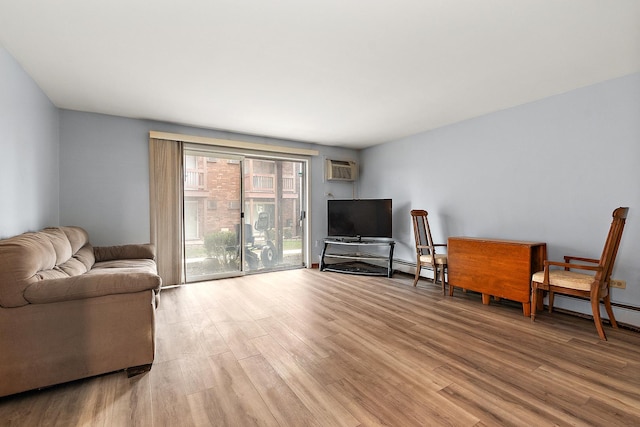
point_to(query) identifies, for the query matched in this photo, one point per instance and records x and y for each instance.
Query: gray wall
(104, 175)
(28, 152)
(550, 171)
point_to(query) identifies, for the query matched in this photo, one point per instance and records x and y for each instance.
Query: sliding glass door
(274, 196)
(212, 215)
(241, 214)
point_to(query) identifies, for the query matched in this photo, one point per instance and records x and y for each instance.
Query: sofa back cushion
(47, 254)
(60, 243)
(77, 237)
(83, 257)
(21, 258)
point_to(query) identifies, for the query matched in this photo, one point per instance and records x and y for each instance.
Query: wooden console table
(499, 268)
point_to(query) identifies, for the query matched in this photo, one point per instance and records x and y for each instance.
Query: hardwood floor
(310, 348)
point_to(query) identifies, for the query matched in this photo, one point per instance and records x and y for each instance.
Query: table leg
(526, 309)
(486, 299)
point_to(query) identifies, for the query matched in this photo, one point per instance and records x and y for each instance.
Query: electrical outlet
(622, 284)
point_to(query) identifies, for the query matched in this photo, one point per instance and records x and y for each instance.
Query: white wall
(550, 171)
(104, 175)
(28, 152)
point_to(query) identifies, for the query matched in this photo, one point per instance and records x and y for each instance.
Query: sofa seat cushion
(124, 266)
(72, 267)
(90, 286)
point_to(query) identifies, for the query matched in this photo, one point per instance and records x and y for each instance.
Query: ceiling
(351, 73)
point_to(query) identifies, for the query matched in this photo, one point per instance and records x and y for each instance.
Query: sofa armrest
(90, 286)
(141, 251)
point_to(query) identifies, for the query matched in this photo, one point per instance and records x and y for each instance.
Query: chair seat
(441, 259)
(566, 279)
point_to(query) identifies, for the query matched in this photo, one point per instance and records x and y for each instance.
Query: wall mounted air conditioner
(341, 170)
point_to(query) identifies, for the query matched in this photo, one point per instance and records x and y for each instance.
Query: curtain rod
(233, 144)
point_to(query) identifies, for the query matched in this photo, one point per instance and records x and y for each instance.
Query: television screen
(359, 218)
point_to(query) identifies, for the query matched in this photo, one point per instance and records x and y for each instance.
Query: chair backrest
(608, 258)
(422, 233)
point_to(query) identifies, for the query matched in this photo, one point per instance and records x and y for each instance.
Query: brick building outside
(212, 198)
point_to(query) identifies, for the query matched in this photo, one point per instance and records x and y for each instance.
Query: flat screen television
(360, 218)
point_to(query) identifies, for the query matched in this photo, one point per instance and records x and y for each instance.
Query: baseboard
(410, 268)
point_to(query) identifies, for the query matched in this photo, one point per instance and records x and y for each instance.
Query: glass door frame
(302, 219)
(241, 155)
(210, 152)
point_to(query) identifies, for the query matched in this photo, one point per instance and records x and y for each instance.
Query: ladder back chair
(426, 255)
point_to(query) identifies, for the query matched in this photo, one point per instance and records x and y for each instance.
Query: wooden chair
(426, 255)
(594, 286)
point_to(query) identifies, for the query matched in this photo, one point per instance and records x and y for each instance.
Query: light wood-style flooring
(309, 348)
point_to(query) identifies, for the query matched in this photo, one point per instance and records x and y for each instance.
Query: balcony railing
(288, 184)
(194, 180)
(262, 183)
(265, 183)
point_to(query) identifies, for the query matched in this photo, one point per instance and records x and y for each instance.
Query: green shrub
(217, 243)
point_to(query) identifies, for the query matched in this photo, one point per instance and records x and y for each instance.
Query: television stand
(357, 256)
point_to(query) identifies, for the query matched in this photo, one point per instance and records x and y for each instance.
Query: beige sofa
(69, 310)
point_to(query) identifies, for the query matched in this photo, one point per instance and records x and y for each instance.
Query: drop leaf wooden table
(495, 267)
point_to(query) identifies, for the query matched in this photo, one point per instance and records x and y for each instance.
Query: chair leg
(607, 306)
(435, 273)
(595, 307)
(415, 280)
(444, 284)
(534, 301)
(550, 301)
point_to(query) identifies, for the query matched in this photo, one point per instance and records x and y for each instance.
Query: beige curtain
(165, 197)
